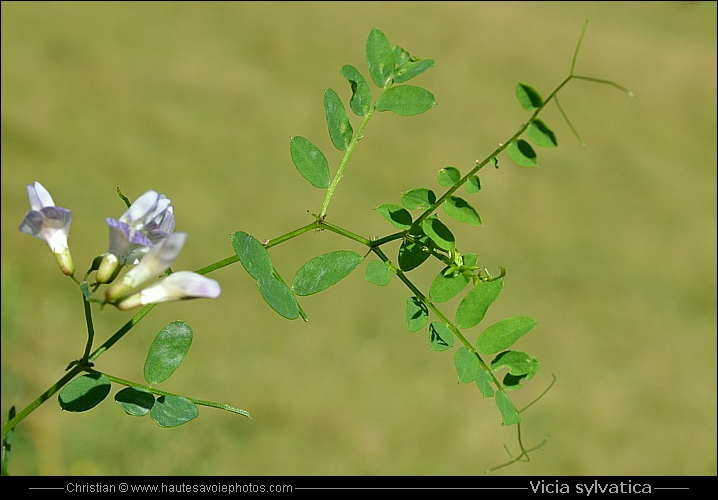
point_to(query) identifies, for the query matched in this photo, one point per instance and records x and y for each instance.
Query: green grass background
(611, 247)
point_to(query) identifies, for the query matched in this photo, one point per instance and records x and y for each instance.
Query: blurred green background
(611, 247)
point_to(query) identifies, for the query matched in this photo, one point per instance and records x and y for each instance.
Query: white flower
(145, 223)
(177, 286)
(155, 262)
(50, 223)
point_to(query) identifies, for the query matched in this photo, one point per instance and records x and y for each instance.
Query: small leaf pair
(316, 275)
(519, 150)
(166, 353)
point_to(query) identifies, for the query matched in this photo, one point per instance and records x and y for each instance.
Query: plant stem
(121, 332)
(158, 392)
(340, 171)
(291, 234)
(41, 399)
(90, 330)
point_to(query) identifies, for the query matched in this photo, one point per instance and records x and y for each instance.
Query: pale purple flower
(49, 223)
(145, 223)
(155, 262)
(177, 286)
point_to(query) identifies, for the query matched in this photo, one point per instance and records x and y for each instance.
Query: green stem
(345, 233)
(158, 392)
(340, 171)
(218, 265)
(292, 234)
(429, 304)
(121, 332)
(386, 239)
(10, 424)
(495, 153)
(90, 330)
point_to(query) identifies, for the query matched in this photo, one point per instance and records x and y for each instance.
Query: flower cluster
(143, 239)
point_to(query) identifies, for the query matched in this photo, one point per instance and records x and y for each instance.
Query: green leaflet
(473, 184)
(522, 153)
(310, 161)
(528, 96)
(340, 128)
(279, 297)
(508, 411)
(324, 271)
(84, 393)
(541, 135)
(440, 337)
(255, 259)
(378, 273)
(447, 284)
(412, 253)
(252, 254)
(473, 307)
(396, 214)
(483, 382)
(135, 402)
(439, 233)
(417, 314)
(521, 367)
(444, 287)
(406, 100)
(461, 210)
(518, 363)
(467, 365)
(167, 351)
(502, 335)
(171, 411)
(409, 69)
(401, 55)
(418, 199)
(380, 57)
(448, 176)
(360, 102)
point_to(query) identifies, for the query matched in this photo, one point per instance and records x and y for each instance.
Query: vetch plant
(135, 271)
